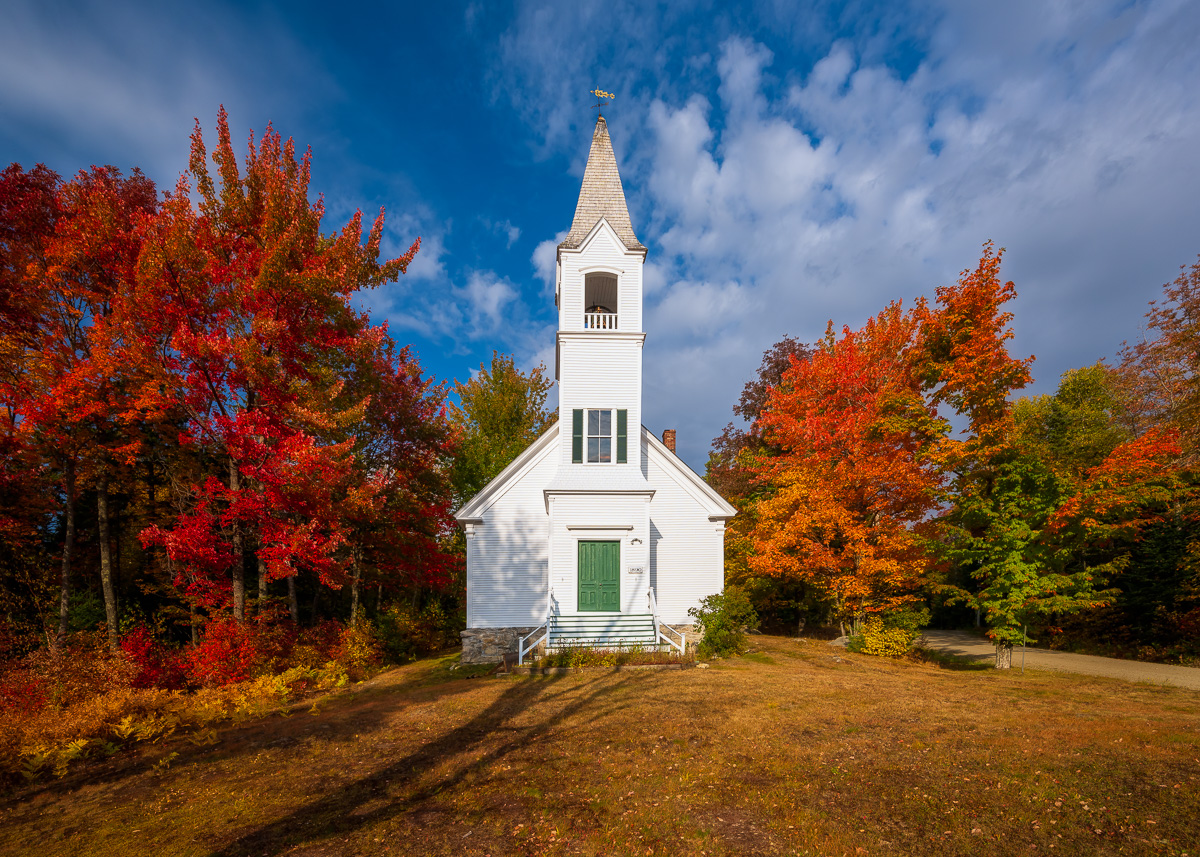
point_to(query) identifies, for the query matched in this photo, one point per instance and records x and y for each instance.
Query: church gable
(672, 467)
(474, 509)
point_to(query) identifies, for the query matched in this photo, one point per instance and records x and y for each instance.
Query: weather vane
(600, 96)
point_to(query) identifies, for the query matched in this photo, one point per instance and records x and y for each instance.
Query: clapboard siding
(598, 371)
(687, 559)
(570, 516)
(507, 554)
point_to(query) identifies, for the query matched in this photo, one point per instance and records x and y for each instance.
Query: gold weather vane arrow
(600, 96)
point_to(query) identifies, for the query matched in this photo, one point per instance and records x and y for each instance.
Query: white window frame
(588, 436)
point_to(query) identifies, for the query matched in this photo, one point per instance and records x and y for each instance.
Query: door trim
(579, 582)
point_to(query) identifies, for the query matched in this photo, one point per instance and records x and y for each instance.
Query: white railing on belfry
(600, 321)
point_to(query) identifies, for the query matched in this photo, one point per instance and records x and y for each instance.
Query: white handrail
(659, 636)
(523, 650)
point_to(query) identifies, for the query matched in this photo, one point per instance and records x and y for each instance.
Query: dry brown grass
(797, 749)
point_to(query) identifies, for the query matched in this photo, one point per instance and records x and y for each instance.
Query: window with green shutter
(599, 436)
(593, 432)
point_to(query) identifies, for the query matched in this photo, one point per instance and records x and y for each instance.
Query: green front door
(600, 576)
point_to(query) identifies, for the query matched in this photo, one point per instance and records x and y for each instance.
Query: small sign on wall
(637, 569)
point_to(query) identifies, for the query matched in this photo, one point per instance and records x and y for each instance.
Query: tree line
(1072, 517)
(197, 422)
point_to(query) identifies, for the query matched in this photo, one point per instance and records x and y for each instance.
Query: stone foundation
(490, 645)
(690, 633)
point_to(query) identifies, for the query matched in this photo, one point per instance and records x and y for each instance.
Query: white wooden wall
(507, 554)
(687, 553)
(576, 518)
(520, 557)
(599, 370)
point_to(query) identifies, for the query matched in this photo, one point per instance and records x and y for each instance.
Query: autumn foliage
(206, 450)
(1079, 509)
(855, 479)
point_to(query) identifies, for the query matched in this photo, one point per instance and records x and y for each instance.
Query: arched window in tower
(600, 301)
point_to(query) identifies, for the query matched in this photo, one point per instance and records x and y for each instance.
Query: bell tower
(598, 292)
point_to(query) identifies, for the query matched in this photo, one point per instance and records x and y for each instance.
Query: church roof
(595, 480)
(601, 195)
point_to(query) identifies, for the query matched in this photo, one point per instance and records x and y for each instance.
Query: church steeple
(598, 290)
(601, 195)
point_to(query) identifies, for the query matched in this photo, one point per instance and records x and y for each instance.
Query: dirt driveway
(970, 646)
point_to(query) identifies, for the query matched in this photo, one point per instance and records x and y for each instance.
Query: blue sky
(785, 163)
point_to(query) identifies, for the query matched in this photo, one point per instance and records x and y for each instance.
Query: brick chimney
(669, 439)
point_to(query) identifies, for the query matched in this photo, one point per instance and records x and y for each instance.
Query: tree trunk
(262, 584)
(316, 600)
(64, 598)
(293, 601)
(978, 612)
(115, 524)
(239, 558)
(1004, 656)
(106, 567)
(354, 583)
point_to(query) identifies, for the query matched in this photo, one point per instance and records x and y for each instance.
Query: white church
(597, 534)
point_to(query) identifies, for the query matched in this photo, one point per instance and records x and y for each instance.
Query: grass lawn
(798, 748)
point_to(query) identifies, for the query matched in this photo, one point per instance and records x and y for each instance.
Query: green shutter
(577, 436)
(622, 419)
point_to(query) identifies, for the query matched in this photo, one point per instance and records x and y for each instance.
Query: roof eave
(472, 511)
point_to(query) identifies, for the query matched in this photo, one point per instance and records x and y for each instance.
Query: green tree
(1043, 493)
(499, 413)
(1004, 496)
(1075, 429)
(1000, 537)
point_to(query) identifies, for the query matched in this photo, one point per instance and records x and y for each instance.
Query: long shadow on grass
(959, 663)
(339, 812)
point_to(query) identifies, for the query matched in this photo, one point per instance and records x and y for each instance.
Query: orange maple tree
(1162, 374)
(855, 482)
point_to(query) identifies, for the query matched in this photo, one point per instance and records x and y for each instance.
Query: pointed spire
(601, 195)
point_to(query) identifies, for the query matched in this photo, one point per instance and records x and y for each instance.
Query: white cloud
(504, 228)
(856, 187)
(428, 263)
(545, 260)
(1065, 132)
(484, 300)
(700, 310)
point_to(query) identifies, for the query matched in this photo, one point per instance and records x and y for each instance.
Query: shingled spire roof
(601, 195)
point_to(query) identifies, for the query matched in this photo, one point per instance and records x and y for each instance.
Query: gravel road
(967, 645)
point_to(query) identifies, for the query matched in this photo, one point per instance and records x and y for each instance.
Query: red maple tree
(247, 318)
